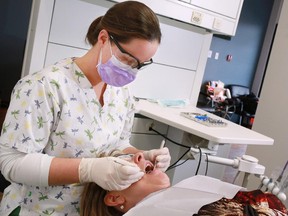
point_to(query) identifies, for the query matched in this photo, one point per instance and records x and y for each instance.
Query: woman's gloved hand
(160, 157)
(110, 173)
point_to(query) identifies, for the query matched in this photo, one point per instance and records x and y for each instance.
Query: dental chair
(212, 95)
(242, 102)
(233, 102)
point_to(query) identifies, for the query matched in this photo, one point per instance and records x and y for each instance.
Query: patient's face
(152, 181)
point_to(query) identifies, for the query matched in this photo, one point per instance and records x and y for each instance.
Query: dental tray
(204, 119)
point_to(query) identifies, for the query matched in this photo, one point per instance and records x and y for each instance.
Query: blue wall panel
(245, 46)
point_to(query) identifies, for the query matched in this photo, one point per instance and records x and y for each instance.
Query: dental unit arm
(246, 163)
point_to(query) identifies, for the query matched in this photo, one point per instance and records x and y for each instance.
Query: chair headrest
(237, 90)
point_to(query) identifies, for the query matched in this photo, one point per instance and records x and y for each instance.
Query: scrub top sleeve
(30, 116)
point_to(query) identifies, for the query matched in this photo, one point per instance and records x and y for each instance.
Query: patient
(99, 202)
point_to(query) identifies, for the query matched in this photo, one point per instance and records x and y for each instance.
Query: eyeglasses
(128, 58)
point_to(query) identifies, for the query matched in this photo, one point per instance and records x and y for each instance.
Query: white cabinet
(181, 40)
(69, 30)
(163, 82)
(229, 8)
(71, 20)
(217, 16)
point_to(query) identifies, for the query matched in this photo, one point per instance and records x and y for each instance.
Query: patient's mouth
(149, 168)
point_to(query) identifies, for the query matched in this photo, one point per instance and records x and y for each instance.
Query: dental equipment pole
(247, 164)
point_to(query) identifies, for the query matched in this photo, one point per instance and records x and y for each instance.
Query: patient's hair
(92, 199)
(92, 202)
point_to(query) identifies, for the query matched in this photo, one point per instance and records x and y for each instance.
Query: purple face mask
(115, 73)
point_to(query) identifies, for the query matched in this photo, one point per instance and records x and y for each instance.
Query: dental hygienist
(60, 118)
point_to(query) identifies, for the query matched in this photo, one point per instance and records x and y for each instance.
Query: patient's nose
(139, 157)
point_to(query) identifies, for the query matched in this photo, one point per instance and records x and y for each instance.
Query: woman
(60, 118)
(99, 202)
(211, 197)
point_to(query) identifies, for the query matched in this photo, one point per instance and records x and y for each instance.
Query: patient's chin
(160, 177)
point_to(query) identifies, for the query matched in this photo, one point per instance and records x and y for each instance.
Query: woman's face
(136, 52)
(131, 53)
(152, 181)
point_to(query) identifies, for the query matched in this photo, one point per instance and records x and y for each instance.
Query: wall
(271, 118)
(13, 33)
(245, 46)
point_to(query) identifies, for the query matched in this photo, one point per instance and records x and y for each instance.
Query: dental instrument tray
(204, 119)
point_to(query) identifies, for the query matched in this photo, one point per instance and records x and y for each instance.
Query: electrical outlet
(196, 17)
(190, 155)
(217, 24)
(149, 125)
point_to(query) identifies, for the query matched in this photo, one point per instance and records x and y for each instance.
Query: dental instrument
(161, 146)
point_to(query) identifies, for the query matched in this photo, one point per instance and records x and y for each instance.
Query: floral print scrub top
(57, 112)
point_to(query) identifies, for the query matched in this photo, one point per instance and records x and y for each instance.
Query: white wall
(271, 118)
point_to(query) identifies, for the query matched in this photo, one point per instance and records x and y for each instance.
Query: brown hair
(126, 21)
(92, 202)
